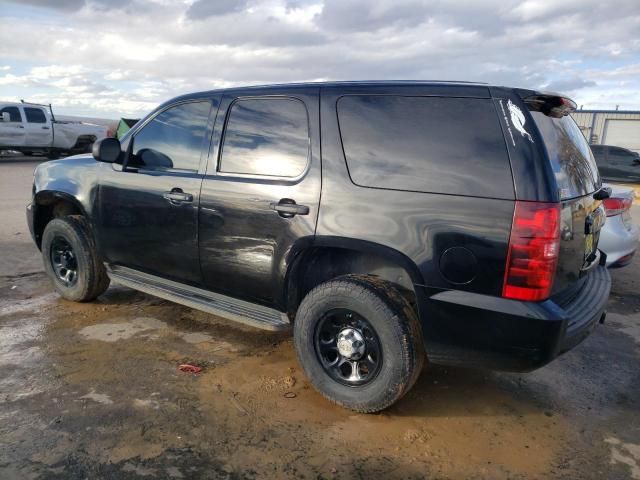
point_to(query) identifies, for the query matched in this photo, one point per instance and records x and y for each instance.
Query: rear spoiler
(551, 104)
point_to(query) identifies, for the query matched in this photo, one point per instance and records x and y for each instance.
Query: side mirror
(107, 150)
(5, 117)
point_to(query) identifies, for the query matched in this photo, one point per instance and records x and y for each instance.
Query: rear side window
(35, 115)
(425, 144)
(14, 113)
(599, 155)
(570, 155)
(173, 139)
(621, 155)
(266, 137)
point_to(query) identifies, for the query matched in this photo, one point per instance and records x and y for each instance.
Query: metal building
(610, 127)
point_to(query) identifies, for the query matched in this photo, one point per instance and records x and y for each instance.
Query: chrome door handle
(178, 196)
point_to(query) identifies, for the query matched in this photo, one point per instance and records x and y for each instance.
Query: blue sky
(112, 58)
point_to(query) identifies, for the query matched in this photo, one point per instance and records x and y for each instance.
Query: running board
(230, 308)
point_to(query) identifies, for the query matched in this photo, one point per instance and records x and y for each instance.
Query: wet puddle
(103, 380)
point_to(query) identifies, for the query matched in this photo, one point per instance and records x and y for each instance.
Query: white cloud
(125, 56)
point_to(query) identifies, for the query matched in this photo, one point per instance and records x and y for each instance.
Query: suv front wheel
(359, 342)
(71, 261)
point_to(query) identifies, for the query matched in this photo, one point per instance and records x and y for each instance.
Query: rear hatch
(582, 214)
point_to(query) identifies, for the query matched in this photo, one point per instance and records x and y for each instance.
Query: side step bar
(227, 307)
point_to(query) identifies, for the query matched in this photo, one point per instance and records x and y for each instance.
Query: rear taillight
(617, 205)
(533, 251)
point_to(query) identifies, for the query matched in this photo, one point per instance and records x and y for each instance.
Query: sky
(115, 58)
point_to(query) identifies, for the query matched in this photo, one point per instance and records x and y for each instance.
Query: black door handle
(177, 196)
(288, 208)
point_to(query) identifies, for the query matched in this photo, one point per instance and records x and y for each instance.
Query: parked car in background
(32, 128)
(377, 220)
(617, 164)
(619, 236)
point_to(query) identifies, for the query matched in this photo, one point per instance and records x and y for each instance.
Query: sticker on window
(518, 120)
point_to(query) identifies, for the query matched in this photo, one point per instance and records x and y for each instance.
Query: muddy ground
(93, 391)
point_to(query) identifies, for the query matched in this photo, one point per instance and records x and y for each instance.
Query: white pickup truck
(29, 128)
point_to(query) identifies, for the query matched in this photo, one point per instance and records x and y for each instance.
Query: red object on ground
(188, 368)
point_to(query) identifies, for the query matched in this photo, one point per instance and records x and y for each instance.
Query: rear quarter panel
(66, 134)
(421, 226)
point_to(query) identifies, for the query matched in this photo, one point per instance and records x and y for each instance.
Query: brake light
(533, 251)
(616, 205)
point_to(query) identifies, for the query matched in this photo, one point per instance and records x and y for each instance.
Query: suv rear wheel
(359, 342)
(71, 260)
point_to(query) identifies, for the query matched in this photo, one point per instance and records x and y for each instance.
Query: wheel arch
(50, 204)
(329, 257)
(84, 139)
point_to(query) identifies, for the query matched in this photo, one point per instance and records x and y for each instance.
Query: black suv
(379, 220)
(617, 164)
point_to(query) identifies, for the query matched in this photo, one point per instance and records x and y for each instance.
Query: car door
(148, 218)
(12, 133)
(38, 131)
(260, 197)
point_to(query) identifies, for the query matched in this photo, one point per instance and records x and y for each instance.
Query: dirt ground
(93, 391)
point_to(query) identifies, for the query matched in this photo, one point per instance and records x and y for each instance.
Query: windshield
(570, 156)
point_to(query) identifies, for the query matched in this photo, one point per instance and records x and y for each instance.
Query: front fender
(73, 178)
(73, 181)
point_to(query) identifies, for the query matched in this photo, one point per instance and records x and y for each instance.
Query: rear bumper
(479, 330)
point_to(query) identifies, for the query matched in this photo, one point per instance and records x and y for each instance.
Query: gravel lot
(92, 391)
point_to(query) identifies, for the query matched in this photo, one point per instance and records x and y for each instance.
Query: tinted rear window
(266, 137)
(35, 115)
(571, 158)
(425, 144)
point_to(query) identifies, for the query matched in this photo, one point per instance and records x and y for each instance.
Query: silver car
(619, 236)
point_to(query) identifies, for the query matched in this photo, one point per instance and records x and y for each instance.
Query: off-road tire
(92, 279)
(395, 324)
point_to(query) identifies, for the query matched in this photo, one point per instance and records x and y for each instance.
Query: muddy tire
(71, 260)
(359, 342)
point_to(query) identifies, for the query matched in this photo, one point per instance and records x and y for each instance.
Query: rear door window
(425, 144)
(35, 115)
(570, 156)
(621, 156)
(268, 136)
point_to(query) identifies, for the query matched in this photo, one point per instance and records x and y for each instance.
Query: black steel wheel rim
(63, 261)
(348, 347)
